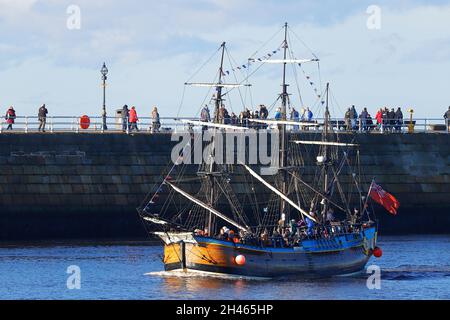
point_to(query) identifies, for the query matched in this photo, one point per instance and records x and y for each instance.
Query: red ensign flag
(384, 198)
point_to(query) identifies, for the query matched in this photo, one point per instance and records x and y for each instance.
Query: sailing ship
(298, 233)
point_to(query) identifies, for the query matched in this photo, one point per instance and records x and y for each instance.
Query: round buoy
(85, 122)
(377, 252)
(240, 260)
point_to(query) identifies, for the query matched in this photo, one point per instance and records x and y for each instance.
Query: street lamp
(104, 72)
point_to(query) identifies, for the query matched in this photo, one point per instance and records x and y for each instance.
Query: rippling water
(416, 267)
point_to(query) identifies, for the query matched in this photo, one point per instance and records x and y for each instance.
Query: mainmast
(325, 152)
(212, 167)
(284, 138)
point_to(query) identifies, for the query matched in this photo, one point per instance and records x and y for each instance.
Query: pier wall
(87, 186)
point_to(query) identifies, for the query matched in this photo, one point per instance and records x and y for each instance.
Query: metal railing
(67, 124)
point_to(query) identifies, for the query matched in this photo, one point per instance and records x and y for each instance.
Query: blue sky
(153, 47)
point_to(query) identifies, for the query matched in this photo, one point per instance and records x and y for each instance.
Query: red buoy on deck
(377, 252)
(240, 260)
(85, 122)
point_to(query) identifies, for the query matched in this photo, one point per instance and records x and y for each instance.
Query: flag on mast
(387, 200)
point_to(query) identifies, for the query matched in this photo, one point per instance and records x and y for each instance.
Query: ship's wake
(200, 274)
(414, 272)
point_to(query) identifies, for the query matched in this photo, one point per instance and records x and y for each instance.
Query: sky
(51, 51)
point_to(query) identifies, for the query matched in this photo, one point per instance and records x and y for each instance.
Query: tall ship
(306, 228)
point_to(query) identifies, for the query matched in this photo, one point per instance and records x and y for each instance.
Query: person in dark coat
(125, 116)
(10, 117)
(42, 115)
(398, 120)
(364, 116)
(391, 117)
(447, 119)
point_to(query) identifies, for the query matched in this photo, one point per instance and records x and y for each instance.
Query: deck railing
(67, 124)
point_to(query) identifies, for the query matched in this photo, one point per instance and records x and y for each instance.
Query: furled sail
(205, 206)
(289, 123)
(214, 85)
(155, 220)
(323, 143)
(279, 193)
(213, 125)
(295, 61)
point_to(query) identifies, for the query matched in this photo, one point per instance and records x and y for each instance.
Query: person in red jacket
(133, 119)
(10, 117)
(379, 118)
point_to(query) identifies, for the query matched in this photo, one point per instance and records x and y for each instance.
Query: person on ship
(10, 117)
(278, 115)
(310, 224)
(263, 112)
(205, 115)
(309, 114)
(133, 119)
(234, 119)
(330, 216)
(295, 116)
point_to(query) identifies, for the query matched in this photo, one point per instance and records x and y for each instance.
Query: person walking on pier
(353, 117)
(347, 121)
(447, 119)
(125, 116)
(364, 116)
(399, 120)
(42, 116)
(156, 121)
(10, 117)
(133, 119)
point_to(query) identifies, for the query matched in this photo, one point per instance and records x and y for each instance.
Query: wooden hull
(345, 254)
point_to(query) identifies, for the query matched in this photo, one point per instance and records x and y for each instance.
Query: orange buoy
(377, 252)
(85, 122)
(240, 260)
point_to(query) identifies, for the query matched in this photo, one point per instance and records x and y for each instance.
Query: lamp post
(411, 122)
(104, 72)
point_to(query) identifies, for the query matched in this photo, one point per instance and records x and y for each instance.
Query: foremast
(213, 166)
(284, 138)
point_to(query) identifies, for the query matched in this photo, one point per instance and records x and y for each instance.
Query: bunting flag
(387, 200)
(312, 84)
(251, 61)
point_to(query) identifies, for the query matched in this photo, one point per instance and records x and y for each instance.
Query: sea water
(412, 267)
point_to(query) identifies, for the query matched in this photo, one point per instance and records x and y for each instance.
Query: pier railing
(67, 124)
